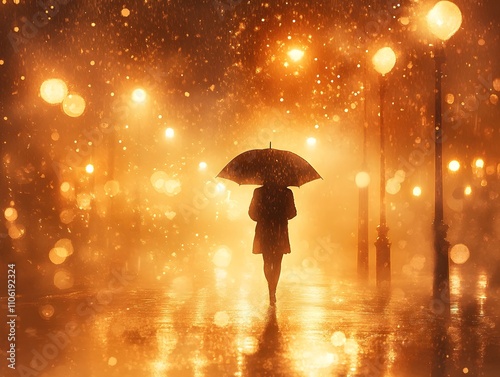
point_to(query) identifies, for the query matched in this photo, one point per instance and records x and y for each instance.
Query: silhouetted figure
(271, 207)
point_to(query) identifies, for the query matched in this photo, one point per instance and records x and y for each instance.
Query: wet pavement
(225, 327)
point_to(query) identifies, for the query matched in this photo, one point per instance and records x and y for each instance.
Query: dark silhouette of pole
(441, 289)
(363, 266)
(382, 244)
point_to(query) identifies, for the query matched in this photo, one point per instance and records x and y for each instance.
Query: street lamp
(383, 62)
(443, 20)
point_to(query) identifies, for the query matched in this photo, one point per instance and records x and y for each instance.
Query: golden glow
(296, 54)
(125, 12)
(202, 165)
(384, 60)
(112, 188)
(444, 19)
(222, 257)
(10, 214)
(139, 95)
(63, 279)
(454, 165)
(46, 311)
(311, 141)
(459, 253)
(53, 91)
(89, 168)
(362, 179)
(468, 190)
(56, 255)
(338, 339)
(417, 191)
(392, 186)
(221, 319)
(73, 105)
(169, 133)
(479, 163)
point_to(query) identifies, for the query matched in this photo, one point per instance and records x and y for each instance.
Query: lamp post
(383, 62)
(443, 20)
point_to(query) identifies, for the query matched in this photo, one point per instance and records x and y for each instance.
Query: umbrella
(257, 166)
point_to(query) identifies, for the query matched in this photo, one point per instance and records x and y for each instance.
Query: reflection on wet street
(322, 327)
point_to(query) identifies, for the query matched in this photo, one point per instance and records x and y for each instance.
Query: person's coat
(271, 207)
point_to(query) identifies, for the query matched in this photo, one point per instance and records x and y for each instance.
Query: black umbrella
(257, 166)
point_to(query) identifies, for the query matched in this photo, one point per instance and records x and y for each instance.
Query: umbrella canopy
(258, 166)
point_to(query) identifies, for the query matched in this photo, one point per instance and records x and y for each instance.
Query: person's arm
(291, 211)
(253, 211)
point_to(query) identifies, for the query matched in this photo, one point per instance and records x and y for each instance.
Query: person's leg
(272, 271)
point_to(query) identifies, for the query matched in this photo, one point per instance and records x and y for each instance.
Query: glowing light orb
(65, 187)
(89, 168)
(362, 179)
(10, 214)
(454, 166)
(467, 190)
(479, 163)
(83, 201)
(417, 191)
(172, 187)
(139, 95)
(444, 19)
(63, 279)
(459, 253)
(221, 319)
(57, 255)
(338, 339)
(384, 60)
(65, 247)
(311, 141)
(169, 133)
(112, 188)
(400, 176)
(125, 12)
(53, 91)
(392, 186)
(296, 54)
(46, 311)
(73, 105)
(67, 216)
(16, 231)
(222, 257)
(112, 361)
(202, 165)
(220, 187)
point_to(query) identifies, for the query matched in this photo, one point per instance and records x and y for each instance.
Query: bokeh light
(53, 91)
(139, 95)
(222, 257)
(221, 319)
(459, 253)
(311, 141)
(362, 179)
(454, 166)
(10, 214)
(202, 165)
(467, 190)
(392, 186)
(479, 163)
(444, 19)
(73, 105)
(46, 311)
(296, 54)
(89, 168)
(338, 339)
(112, 188)
(384, 60)
(417, 191)
(169, 133)
(63, 279)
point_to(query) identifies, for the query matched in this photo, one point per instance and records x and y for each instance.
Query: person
(271, 207)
